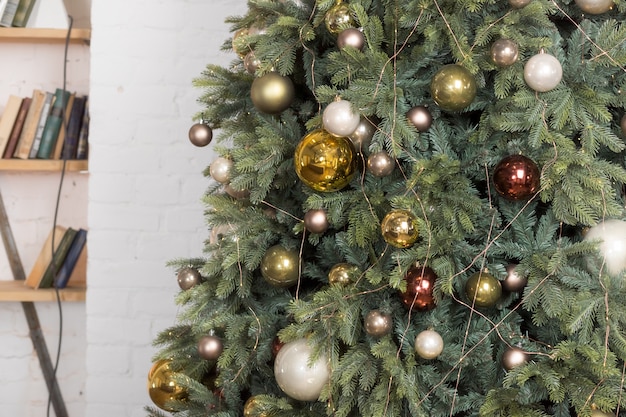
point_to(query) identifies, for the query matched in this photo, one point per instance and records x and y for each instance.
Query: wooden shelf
(44, 35)
(16, 291)
(20, 165)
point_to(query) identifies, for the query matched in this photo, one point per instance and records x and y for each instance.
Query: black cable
(54, 222)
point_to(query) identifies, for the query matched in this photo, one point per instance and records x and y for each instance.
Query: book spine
(8, 119)
(64, 274)
(9, 150)
(45, 111)
(83, 140)
(24, 8)
(30, 125)
(57, 258)
(53, 124)
(3, 5)
(73, 129)
(9, 13)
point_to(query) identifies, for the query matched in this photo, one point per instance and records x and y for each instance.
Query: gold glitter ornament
(399, 228)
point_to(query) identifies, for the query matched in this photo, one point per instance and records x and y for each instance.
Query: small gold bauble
(504, 52)
(483, 289)
(240, 47)
(453, 87)
(343, 274)
(272, 93)
(255, 407)
(280, 266)
(595, 6)
(325, 162)
(338, 18)
(399, 228)
(162, 387)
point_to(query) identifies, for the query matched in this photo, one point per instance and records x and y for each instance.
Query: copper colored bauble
(420, 284)
(483, 289)
(280, 266)
(251, 62)
(514, 281)
(516, 177)
(420, 117)
(595, 6)
(210, 347)
(504, 52)
(378, 323)
(297, 375)
(343, 274)
(380, 164)
(428, 344)
(543, 72)
(513, 357)
(272, 93)
(162, 386)
(188, 278)
(351, 37)
(220, 169)
(255, 407)
(622, 124)
(399, 228)
(519, 4)
(338, 18)
(325, 162)
(315, 221)
(200, 134)
(363, 134)
(453, 87)
(340, 119)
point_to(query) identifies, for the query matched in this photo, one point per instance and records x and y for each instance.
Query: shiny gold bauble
(338, 18)
(595, 6)
(483, 289)
(343, 274)
(162, 387)
(399, 228)
(504, 52)
(255, 407)
(280, 266)
(240, 47)
(453, 87)
(272, 93)
(325, 162)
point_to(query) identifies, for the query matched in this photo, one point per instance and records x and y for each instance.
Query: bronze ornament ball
(428, 344)
(378, 323)
(453, 87)
(272, 93)
(483, 289)
(513, 357)
(420, 286)
(514, 281)
(516, 177)
(519, 4)
(504, 52)
(162, 387)
(595, 6)
(280, 266)
(343, 274)
(200, 134)
(399, 228)
(251, 63)
(188, 278)
(363, 134)
(420, 117)
(325, 162)
(380, 164)
(315, 221)
(210, 347)
(352, 37)
(338, 18)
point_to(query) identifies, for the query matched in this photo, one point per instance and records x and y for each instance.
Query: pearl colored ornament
(543, 72)
(611, 235)
(504, 52)
(210, 347)
(519, 4)
(339, 119)
(420, 117)
(380, 164)
(363, 134)
(378, 323)
(220, 169)
(513, 357)
(295, 376)
(595, 6)
(315, 221)
(351, 37)
(428, 344)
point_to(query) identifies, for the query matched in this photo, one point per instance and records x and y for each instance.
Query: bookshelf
(16, 291)
(37, 35)
(42, 165)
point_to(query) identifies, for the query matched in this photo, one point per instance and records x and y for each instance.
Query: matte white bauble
(543, 72)
(294, 375)
(611, 235)
(339, 119)
(595, 6)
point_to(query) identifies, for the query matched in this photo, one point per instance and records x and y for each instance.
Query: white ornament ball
(294, 375)
(220, 169)
(543, 72)
(339, 119)
(595, 6)
(611, 235)
(429, 344)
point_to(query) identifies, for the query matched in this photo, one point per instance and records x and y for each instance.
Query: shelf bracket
(36, 335)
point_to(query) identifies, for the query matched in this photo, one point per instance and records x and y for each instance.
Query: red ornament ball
(420, 283)
(516, 177)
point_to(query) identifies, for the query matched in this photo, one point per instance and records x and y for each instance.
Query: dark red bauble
(420, 283)
(516, 177)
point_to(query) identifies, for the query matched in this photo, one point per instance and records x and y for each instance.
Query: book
(71, 259)
(44, 257)
(45, 111)
(83, 140)
(8, 119)
(3, 5)
(58, 147)
(70, 146)
(53, 124)
(58, 258)
(9, 13)
(30, 125)
(17, 129)
(24, 9)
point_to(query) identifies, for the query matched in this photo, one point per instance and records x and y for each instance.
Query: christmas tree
(417, 210)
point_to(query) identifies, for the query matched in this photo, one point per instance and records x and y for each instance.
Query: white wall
(145, 182)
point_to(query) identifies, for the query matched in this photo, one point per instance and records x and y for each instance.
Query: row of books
(15, 12)
(63, 258)
(45, 126)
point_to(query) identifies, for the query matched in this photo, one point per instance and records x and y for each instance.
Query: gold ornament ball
(338, 18)
(188, 278)
(162, 387)
(453, 87)
(210, 347)
(315, 221)
(504, 52)
(351, 37)
(428, 344)
(420, 117)
(255, 407)
(343, 274)
(483, 289)
(595, 6)
(519, 4)
(325, 162)
(599, 413)
(272, 93)
(380, 164)
(399, 228)
(280, 266)
(200, 134)
(239, 45)
(378, 323)
(513, 357)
